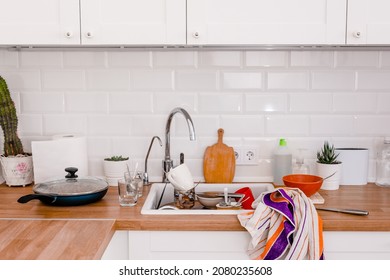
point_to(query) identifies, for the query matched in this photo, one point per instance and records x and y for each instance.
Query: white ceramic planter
(325, 170)
(17, 171)
(114, 170)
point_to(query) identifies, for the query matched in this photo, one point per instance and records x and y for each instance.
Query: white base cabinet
(232, 245)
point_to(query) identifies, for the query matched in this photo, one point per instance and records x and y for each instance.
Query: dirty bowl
(307, 183)
(209, 199)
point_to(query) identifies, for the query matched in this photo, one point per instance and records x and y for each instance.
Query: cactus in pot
(9, 122)
(16, 163)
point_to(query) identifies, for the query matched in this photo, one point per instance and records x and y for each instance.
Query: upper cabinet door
(133, 22)
(368, 22)
(235, 22)
(43, 22)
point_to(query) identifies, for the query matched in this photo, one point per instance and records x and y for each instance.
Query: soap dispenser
(300, 167)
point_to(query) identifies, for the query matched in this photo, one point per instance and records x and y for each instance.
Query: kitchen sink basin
(156, 190)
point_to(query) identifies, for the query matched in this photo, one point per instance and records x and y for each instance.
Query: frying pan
(70, 191)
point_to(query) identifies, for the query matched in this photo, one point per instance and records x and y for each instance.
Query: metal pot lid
(71, 185)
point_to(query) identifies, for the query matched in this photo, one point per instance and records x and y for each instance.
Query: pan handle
(44, 198)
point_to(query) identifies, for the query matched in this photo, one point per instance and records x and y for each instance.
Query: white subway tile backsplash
(110, 79)
(354, 103)
(174, 59)
(86, 102)
(333, 80)
(372, 125)
(130, 102)
(310, 102)
(312, 59)
(190, 80)
(149, 125)
(357, 59)
(152, 80)
(287, 80)
(22, 79)
(219, 58)
(40, 59)
(261, 102)
(385, 59)
(243, 126)
(384, 103)
(333, 125)
(292, 125)
(266, 58)
(220, 103)
(129, 59)
(64, 124)
(205, 125)
(120, 99)
(8, 59)
(39, 103)
(373, 80)
(63, 80)
(242, 80)
(109, 125)
(30, 124)
(164, 102)
(99, 147)
(84, 59)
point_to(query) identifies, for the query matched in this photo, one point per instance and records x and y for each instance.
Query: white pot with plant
(17, 165)
(327, 164)
(114, 169)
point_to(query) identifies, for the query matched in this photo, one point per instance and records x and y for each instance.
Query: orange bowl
(307, 183)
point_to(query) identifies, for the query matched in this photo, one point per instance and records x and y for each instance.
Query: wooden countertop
(37, 231)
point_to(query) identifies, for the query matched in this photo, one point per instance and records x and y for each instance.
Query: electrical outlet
(250, 156)
(238, 155)
(246, 156)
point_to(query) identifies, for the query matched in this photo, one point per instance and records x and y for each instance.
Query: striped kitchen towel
(284, 225)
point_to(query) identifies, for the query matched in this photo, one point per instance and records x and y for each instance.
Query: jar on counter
(383, 164)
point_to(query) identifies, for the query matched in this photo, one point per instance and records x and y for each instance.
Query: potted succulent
(327, 164)
(17, 165)
(114, 168)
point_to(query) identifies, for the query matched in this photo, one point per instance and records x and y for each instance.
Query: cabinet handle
(68, 34)
(89, 34)
(195, 34)
(357, 34)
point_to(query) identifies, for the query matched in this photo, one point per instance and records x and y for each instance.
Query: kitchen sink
(149, 207)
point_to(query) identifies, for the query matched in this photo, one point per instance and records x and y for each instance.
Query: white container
(324, 170)
(282, 162)
(114, 170)
(383, 164)
(355, 165)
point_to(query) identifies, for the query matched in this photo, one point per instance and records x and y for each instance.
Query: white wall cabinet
(232, 245)
(368, 22)
(194, 22)
(103, 22)
(252, 22)
(39, 22)
(133, 22)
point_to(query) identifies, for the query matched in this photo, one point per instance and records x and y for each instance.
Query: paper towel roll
(51, 157)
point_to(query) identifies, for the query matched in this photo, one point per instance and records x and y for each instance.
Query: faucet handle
(181, 158)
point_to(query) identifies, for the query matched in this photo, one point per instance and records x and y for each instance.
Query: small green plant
(9, 122)
(116, 158)
(327, 155)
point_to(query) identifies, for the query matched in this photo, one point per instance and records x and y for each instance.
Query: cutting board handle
(220, 135)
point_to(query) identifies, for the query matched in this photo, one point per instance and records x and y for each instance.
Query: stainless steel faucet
(167, 162)
(146, 175)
